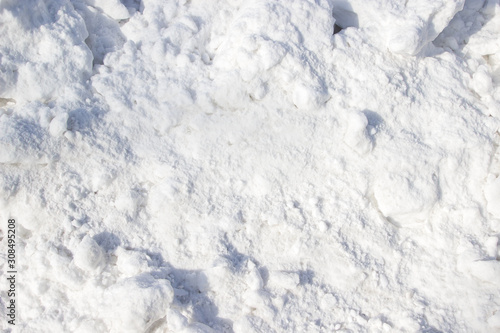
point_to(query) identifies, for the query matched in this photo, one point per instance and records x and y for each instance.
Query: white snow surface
(234, 166)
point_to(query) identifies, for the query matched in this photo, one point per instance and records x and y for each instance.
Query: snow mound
(89, 255)
(113, 8)
(134, 304)
(356, 133)
(43, 50)
(404, 28)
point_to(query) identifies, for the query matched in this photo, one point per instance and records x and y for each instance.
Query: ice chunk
(89, 256)
(253, 278)
(356, 134)
(134, 303)
(59, 124)
(113, 8)
(131, 263)
(481, 81)
(130, 201)
(308, 97)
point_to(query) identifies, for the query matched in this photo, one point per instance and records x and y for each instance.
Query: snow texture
(179, 166)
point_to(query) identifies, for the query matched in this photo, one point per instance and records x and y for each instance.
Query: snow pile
(36, 36)
(238, 167)
(356, 134)
(403, 27)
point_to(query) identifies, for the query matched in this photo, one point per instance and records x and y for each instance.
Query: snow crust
(179, 166)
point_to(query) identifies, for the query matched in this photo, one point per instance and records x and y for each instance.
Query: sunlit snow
(235, 166)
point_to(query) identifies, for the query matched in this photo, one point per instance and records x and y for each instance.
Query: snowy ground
(234, 166)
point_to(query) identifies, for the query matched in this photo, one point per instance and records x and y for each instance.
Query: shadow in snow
(190, 288)
(344, 16)
(474, 17)
(107, 240)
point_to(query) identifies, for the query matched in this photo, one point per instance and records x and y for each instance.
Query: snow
(238, 167)
(36, 37)
(356, 133)
(492, 193)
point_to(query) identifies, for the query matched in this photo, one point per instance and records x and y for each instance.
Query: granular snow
(234, 166)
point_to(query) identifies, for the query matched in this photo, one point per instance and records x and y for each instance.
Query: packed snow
(235, 166)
